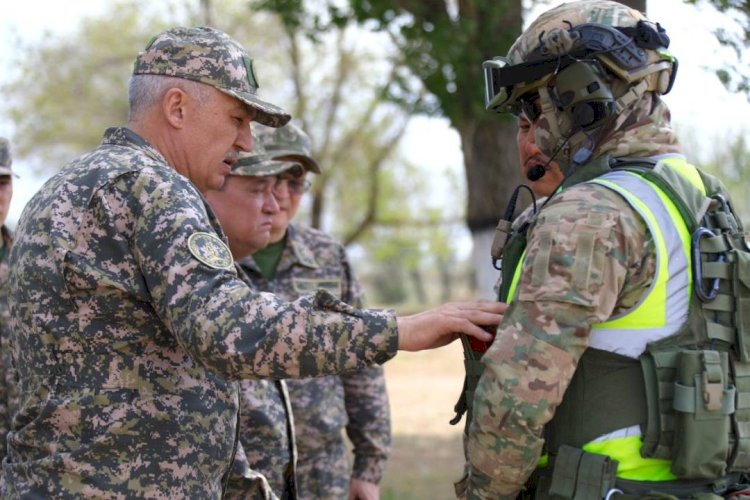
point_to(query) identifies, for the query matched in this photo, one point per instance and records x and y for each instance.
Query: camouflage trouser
(323, 473)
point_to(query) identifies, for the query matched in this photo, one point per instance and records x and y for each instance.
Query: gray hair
(145, 91)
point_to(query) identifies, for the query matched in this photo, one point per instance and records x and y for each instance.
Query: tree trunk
(206, 12)
(492, 173)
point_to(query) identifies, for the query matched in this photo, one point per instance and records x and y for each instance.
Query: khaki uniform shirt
(130, 323)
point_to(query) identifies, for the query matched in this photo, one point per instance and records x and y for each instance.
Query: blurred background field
(427, 451)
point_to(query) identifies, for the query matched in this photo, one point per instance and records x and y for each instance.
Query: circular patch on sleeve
(210, 250)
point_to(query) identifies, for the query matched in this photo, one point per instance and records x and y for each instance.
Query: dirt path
(427, 452)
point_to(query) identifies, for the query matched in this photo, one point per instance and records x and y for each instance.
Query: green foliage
(737, 77)
(437, 50)
(441, 47)
(731, 163)
(68, 89)
(336, 82)
(728, 158)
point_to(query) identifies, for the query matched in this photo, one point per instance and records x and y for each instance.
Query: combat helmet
(288, 143)
(577, 66)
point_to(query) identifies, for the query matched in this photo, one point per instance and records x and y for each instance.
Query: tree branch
(299, 92)
(372, 200)
(341, 76)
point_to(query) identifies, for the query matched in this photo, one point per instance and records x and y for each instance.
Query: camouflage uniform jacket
(127, 342)
(589, 257)
(322, 407)
(266, 430)
(8, 376)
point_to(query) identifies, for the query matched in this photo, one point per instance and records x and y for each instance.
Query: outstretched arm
(442, 325)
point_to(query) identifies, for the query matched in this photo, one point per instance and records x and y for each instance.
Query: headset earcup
(583, 114)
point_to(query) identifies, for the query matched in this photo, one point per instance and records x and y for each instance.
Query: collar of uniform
(299, 252)
(123, 136)
(296, 252)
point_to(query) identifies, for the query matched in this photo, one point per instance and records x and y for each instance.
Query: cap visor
(262, 165)
(307, 162)
(268, 114)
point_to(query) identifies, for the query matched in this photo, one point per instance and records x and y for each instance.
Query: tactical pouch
(704, 401)
(659, 375)
(578, 475)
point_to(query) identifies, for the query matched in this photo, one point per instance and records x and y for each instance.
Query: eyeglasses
(293, 186)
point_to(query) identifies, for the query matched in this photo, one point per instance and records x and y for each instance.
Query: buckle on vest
(713, 381)
(713, 393)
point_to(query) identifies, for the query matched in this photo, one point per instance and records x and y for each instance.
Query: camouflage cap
(250, 167)
(288, 143)
(209, 56)
(5, 159)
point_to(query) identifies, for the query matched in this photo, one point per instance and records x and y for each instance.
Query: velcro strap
(714, 244)
(474, 367)
(712, 364)
(743, 401)
(469, 400)
(722, 302)
(721, 270)
(723, 220)
(720, 332)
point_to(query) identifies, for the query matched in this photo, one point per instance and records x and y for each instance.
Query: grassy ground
(427, 451)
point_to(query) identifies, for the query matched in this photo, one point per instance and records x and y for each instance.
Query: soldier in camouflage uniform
(245, 207)
(589, 254)
(129, 324)
(8, 376)
(300, 260)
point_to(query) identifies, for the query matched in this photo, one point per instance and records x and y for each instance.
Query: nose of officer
(245, 139)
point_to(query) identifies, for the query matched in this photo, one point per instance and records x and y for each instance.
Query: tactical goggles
(505, 84)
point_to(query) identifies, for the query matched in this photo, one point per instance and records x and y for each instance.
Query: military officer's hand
(363, 490)
(442, 325)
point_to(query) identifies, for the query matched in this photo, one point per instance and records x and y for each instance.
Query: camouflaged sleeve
(587, 254)
(221, 322)
(8, 373)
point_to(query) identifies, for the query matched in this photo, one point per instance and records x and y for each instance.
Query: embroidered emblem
(210, 250)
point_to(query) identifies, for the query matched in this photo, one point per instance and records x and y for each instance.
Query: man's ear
(173, 106)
